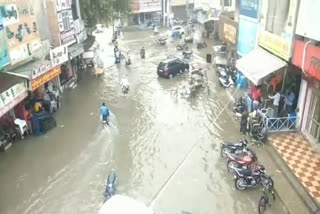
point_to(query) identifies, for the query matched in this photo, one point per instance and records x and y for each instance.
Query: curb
(307, 200)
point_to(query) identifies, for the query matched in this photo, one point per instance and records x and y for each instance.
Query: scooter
(201, 45)
(125, 89)
(187, 54)
(128, 61)
(105, 120)
(110, 185)
(234, 148)
(142, 54)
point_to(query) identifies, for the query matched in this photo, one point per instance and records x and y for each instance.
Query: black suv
(170, 67)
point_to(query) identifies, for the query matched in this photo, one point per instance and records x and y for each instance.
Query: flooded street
(165, 150)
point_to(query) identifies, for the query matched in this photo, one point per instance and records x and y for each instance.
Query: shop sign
(21, 30)
(12, 104)
(43, 68)
(4, 52)
(249, 8)
(67, 37)
(63, 4)
(229, 33)
(36, 83)
(312, 58)
(12, 93)
(276, 44)
(143, 6)
(59, 55)
(247, 36)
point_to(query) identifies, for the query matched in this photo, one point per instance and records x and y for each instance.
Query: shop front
(273, 91)
(13, 91)
(75, 52)
(307, 57)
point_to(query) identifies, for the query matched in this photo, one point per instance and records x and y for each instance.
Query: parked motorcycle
(187, 54)
(201, 45)
(244, 160)
(110, 185)
(239, 106)
(233, 148)
(245, 178)
(181, 47)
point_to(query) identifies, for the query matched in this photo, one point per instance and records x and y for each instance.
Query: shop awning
(259, 64)
(75, 50)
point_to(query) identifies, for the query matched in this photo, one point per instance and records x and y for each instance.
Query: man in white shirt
(276, 101)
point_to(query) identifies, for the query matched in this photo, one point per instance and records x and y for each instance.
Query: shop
(146, 12)
(75, 57)
(307, 57)
(268, 82)
(13, 126)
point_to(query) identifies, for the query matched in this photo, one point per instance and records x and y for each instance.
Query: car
(177, 28)
(170, 67)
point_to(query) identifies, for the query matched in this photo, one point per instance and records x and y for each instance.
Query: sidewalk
(287, 190)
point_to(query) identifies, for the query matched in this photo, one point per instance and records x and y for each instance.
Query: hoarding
(249, 8)
(229, 33)
(21, 30)
(247, 36)
(4, 52)
(36, 83)
(143, 6)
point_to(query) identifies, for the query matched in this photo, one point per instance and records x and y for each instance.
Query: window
(66, 20)
(74, 10)
(227, 3)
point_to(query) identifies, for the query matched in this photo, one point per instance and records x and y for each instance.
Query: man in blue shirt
(104, 112)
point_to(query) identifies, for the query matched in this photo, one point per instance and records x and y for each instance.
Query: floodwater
(164, 149)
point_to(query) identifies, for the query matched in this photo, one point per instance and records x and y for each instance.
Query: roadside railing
(280, 124)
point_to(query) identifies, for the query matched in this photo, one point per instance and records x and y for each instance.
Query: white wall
(207, 4)
(308, 24)
(301, 100)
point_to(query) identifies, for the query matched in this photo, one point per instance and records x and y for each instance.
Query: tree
(104, 11)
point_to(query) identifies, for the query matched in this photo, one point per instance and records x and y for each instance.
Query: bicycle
(264, 199)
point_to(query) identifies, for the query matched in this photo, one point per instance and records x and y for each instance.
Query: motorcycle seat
(245, 172)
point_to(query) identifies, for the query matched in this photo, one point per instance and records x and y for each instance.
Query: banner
(229, 33)
(59, 55)
(249, 8)
(36, 83)
(4, 52)
(143, 6)
(12, 93)
(21, 30)
(276, 44)
(247, 36)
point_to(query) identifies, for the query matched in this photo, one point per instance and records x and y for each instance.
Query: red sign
(312, 58)
(36, 83)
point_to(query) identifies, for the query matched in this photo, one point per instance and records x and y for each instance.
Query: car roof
(170, 60)
(120, 204)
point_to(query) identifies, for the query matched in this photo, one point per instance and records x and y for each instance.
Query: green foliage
(100, 11)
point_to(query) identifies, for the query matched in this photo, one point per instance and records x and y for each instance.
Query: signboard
(276, 44)
(66, 26)
(59, 55)
(247, 36)
(312, 58)
(21, 30)
(36, 83)
(45, 67)
(12, 93)
(308, 18)
(12, 104)
(143, 6)
(249, 8)
(229, 33)
(4, 53)
(63, 4)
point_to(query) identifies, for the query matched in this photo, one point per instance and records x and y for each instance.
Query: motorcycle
(182, 47)
(239, 106)
(201, 45)
(105, 120)
(187, 54)
(142, 54)
(244, 160)
(245, 178)
(233, 148)
(125, 89)
(227, 81)
(128, 61)
(110, 185)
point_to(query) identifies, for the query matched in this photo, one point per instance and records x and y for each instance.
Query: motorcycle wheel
(262, 205)
(231, 165)
(224, 151)
(239, 183)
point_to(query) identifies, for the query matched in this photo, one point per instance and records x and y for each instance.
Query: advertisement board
(143, 6)
(308, 18)
(66, 27)
(276, 27)
(247, 36)
(36, 83)
(312, 58)
(59, 55)
(21, 30)
(229, 33)
(9, 95)
(249, 8)
(42, 68)
(4, 52)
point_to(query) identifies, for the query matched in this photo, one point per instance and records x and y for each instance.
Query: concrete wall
(53, 24)
(180, 12)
